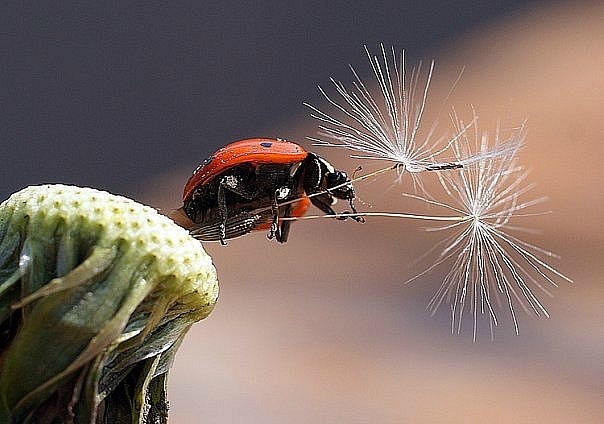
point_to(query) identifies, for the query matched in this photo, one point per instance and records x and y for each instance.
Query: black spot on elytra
(266, 144)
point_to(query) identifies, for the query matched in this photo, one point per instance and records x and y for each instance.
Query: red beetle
(249, 184)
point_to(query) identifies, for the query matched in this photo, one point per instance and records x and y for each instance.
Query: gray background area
(107, 94)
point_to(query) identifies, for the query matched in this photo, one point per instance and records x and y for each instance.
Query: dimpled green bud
(96, 294)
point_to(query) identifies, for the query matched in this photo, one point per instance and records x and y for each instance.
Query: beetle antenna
(356, 171)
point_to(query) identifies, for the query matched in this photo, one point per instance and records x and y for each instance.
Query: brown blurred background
(322, 329)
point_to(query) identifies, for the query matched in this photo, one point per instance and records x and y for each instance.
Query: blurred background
(130, 97)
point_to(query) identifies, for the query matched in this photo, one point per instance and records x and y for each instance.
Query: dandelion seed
(388, 126)
(490, 265)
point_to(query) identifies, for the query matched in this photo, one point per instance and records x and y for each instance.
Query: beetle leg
(222, 209)
(354, 210)
(280, 232)
(233, 184)
(284, 230)
(324, 202)
(275, 231)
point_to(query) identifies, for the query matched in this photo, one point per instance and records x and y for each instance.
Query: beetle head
(338, 184)
(332, 180)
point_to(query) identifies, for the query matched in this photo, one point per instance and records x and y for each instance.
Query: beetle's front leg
(354, 210)
(324, 202)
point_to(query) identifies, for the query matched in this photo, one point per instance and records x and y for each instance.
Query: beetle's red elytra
(256, 150)
(249, 184)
